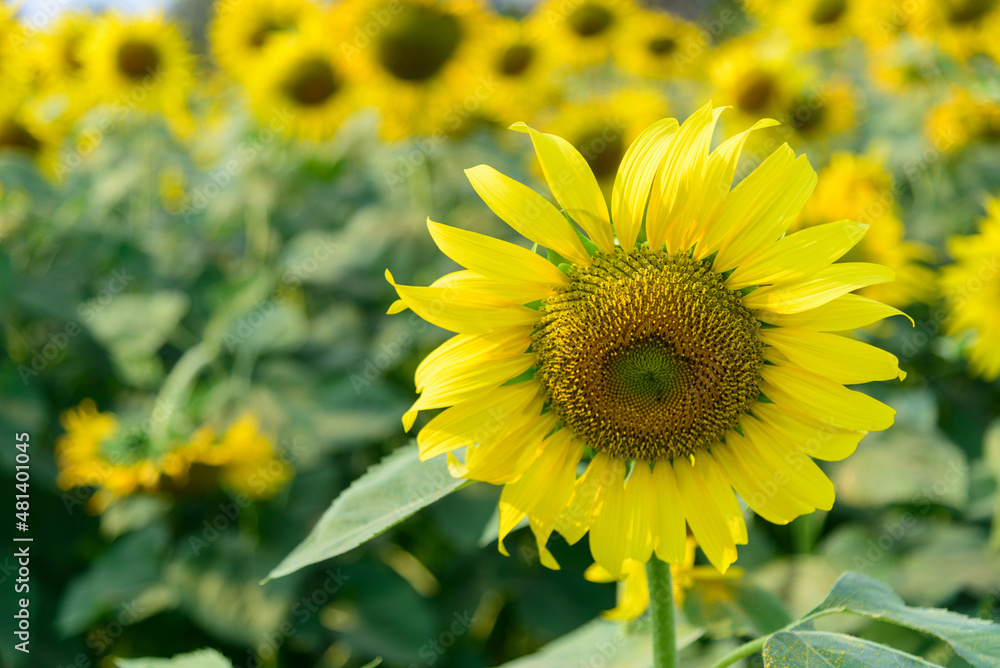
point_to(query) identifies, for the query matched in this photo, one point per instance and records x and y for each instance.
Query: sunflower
(961, 119)
(422, 61)
(821, 110)
(860, 188)
(633, 595)
(522, 66)
(139, 63)
(99, 451)
(602, 126)
(243, 459)
(756, 77)
(960, 28)
(973, 292)
(815, 23)
(242, 29)
(59, 62)
(682, 348)
(24, 133)
(586, 32)
(12, 38)
(663, 46)
(304, 86)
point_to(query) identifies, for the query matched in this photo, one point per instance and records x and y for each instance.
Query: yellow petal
(530, 214)
(722, 168)
(463, 311)
(667, 516)
(496, 259)
(635, 179)
(797, 256)
(823, 286)
(638, 504)
(633, 597)
(465, 350)
(722, 491)
(708, 524)
(519, 293)
(474, 421)
(825, 400)
(609, 533)
(503, 458)
(573, 184)
(774, 209)
(575, 521)
(756, 485)
(793, 470)
(808, 434)
(841, 314)
(837, 357)
(597, 573)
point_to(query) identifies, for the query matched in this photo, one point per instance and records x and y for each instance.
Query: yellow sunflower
(602, 126)
(303, 87)
(681, 347)
(756, 76)
(860, 188)
(59, 61)
(633, 595)
(662, 46)
(815, 24)
(960, 119)
(244, 459)
(973, 292)
(821, 110)
(139, 63)
(99, 451)
(960, 28)
(521, 64)
(422, 61)
(586, 32)
(25, 133)
(242, 29)
(12, 40)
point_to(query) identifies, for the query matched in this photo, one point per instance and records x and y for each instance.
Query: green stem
(661, 608)
(742, 652)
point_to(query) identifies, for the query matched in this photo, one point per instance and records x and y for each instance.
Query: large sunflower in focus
(587, 32)
(860, 188)
(139, 63)
(243, 28)
(303, 86)
(422, 61)
(681, 347)
(973, 292)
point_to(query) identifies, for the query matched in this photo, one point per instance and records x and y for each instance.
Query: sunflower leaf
(388, 493)
(975, 640)
(205, 658)
(819, 648)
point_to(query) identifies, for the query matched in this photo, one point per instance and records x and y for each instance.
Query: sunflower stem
(661, 609)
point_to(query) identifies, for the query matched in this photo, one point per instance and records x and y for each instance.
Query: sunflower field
(556, 334)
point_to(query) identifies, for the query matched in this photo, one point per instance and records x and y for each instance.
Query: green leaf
(819, 648)
(603, 643)
(727, 608)
(387, 494)
(975, 640)
(204, 658)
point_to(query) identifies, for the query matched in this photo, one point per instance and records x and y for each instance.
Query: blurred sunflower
(99, 451)
(682, 347)
(756, 76)
(662, 46)
(859, 188)
(973, 293)
(243, 460)
(633, 595)
(960, 28)
(812, 24)
(602, 126)
(23, 132)
(12, 38)
(303, 86)
(139, 62)
(821, 111)
(587, 32)
(242, 29)
(59, 61)
(961, 119)
(422, 61)
(521, 63)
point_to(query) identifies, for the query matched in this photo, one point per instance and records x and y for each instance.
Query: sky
(37, 13)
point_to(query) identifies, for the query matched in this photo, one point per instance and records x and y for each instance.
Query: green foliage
(206, 658)
(809, 648)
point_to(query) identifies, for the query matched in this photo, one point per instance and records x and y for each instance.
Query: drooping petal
(837, 357)
(838, 315)
(504, 458)
(635, 179)
(722, 492)
(667, 516)
(586, 498)
(825, 400)
(638, 503)
(793, 470)
(756, 485)
(496, 259)
(465, 350)
(806, 433)
(573, 184)
(821, 287)
(797, 256)
(609, 534)
(530, 214)
(708, 523)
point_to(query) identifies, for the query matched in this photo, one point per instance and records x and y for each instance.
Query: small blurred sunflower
(682, 347)
(139, 62)
(12, 39)
(757, 77)
(23, 132)
(633, 595)
(422, 61)
(822, 110)
(59, 61)
(960, 28)
(662, 46)
(586, 32)
(859, 188)
(521, 63)
(812, 24)
(303, 86)
(601, 127)
(962, 119)
(242, 29)
(972, 290)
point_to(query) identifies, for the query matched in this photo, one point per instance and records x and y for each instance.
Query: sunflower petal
(609, 534)
(825, 400)
(667, 517)
(635, 179)
(530, 214)
(839, 358)
(808, 434)
(756, 485)
(722, 168)
(825, 285)
(573, 184)
(838, 315)
(708, 523)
